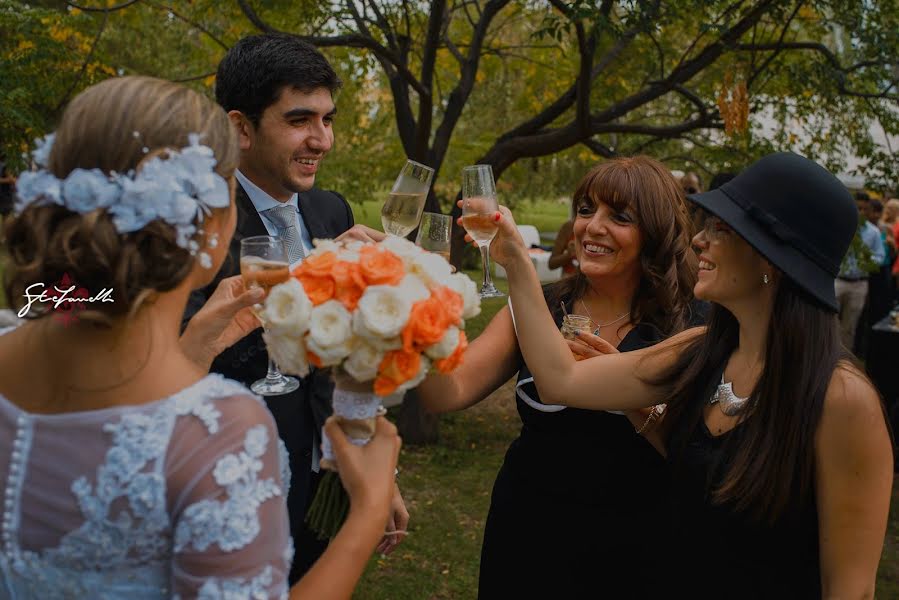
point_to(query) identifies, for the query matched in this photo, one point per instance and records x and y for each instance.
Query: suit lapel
(249, 223)
(311, 217)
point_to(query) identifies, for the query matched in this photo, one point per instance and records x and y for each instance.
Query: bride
(125, 469)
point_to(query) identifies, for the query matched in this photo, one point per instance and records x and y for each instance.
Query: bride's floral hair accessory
(179, 187)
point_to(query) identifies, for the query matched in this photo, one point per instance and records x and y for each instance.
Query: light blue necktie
(285, 219)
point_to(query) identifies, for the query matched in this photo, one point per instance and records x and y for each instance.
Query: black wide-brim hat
(795, 213)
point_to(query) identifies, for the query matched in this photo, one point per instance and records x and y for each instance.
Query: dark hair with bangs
(667, 262)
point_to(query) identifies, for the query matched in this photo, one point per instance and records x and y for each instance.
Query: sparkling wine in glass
(263, 264)
(434, 233)
(479, 207)
(402, 210)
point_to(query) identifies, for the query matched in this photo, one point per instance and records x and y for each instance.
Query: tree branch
(834, 62)
(194, 77)
(190, 22)
(459, 96)
(767, 62)
(108, 9)
(564, 102)
(428, 60)
(86, 62)
(254, 18)
(599, 149)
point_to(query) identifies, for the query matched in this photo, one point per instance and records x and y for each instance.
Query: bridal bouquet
(382, 316)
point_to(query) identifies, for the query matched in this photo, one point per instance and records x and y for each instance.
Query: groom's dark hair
(258, 67)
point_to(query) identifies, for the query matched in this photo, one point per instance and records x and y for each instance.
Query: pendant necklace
(729, 403)
(599, 325)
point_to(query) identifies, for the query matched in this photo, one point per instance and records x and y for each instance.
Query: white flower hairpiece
(181, 189)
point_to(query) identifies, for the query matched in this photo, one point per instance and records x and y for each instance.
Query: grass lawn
(447, 490)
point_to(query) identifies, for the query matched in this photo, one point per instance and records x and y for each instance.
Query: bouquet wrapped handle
(356, 408)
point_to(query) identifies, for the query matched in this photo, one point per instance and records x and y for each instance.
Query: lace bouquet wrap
(381, 316)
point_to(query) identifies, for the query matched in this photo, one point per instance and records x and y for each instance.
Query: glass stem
(273, 373)
(485, 259)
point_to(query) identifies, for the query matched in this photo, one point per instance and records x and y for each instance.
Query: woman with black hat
(781, 453)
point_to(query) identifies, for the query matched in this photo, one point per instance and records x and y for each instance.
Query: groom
(278, 92)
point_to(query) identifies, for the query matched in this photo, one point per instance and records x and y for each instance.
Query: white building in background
(764, 124)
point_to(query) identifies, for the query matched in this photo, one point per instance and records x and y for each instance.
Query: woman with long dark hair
(582, 482)
(781, 455)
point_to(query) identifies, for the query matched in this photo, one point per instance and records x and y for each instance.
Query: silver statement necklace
(729, 403)
(599, 325)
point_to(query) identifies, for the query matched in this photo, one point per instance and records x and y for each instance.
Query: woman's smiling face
(729, 268)
(607, 240)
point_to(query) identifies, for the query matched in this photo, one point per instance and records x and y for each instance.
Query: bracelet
(654, 414)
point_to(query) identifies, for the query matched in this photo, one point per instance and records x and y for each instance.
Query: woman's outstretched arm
(490, 360)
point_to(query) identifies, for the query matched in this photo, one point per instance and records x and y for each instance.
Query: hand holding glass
(402, 210)
(479, 207)
(434, 233)
(263, 264)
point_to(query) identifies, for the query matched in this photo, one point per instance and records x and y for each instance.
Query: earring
(765, 278)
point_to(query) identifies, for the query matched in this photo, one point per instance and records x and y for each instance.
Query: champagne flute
(434, 233)
(263, 264)
(402, 210)
(479, 208)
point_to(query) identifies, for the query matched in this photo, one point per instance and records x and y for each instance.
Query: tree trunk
(416, 425)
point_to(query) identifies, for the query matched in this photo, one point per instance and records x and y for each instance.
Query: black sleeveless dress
(577, 506)
(720, 553)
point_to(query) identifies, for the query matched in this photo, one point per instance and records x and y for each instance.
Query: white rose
(363, 362)
(331, 355)
(432, 268)
(465, 287)
(287, 309)
(383, 311)
(419, 377)
(446, 346)
(350, 251)
(413, 288)
(288, 352)
(325, 245)
(401, 247)
(330, 324)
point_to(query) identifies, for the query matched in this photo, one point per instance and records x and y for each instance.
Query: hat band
(783, 232)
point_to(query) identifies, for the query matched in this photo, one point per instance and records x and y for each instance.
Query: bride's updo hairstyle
(115, 126)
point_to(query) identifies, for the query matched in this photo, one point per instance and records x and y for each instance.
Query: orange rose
(313, 359)
(380, 267)
(319, 289)
(397, 367)
(448, 364)
(316, 265)
(427, 324)
(452, 303)
(350, 283)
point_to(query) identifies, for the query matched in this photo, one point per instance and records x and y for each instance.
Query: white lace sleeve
(228, 503)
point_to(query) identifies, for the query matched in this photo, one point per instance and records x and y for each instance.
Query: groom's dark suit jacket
(300, 414)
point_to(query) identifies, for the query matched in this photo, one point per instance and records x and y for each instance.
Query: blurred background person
(852, 281)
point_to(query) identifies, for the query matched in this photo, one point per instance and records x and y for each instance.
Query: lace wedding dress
(177, 498)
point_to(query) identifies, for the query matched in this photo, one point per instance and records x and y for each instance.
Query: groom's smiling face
(283, 153)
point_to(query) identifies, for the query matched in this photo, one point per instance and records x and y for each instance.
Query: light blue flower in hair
(85, 190)
(138, 203)
(180, 189)
(38, 188)
(41, 154)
